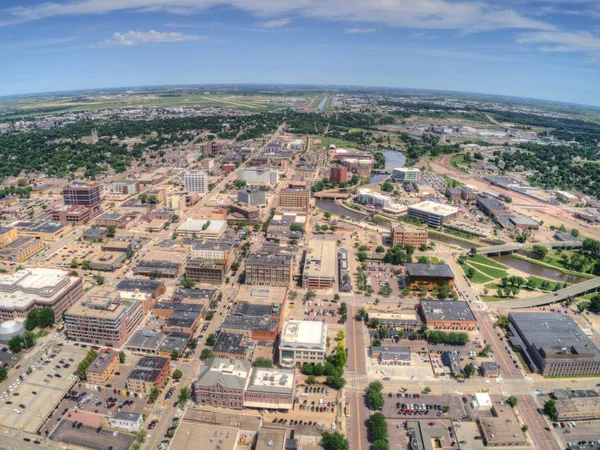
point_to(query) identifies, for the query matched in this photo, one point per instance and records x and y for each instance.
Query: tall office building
(338, 174)
(83, 194)
(196, 181)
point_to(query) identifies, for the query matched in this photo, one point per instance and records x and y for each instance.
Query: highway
(554, 297)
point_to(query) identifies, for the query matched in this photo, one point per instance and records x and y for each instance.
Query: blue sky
(547, 49)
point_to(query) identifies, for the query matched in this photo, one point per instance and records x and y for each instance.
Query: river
(336, 208)
(393, 159)
(538, 271)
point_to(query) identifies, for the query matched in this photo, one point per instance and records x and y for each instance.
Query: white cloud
(464, 15)
(275, 23)
(148, 37)
(558, 41)
(361, 30)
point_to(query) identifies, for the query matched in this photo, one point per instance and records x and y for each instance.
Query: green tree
(74, 263)
(485, 351)
(188, 283)
(540, 251)
(335, 441)
(211, 339)
(512, 401)
(378, 427)
(3, 374)
(177, 374)
(206, 353)
(193, 343)
(327, 215)
(380, 445)
(387, 187)
(380, 249)
(122, 357)
(111, 231)
(469, 370)
(235, 266)
(184, 396)
(502, 322)
(174, 354)
(99, 279)
(85, 264)
(361, 314)
(309, 295)
(14, 345)
(311, 379)
(575, 232)
(262, 362)
(33, 319)
(46, 317)
(524, 428)
(154, 394)
(531, 284)
(550, 409)
(595, 304)
(141, 435)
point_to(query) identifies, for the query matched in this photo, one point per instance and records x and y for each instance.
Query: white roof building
(203, 228)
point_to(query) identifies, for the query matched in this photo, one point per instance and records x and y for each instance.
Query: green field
(327, 141)
(489, 271)
(480, 259)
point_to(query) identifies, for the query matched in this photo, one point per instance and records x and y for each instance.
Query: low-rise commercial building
(233, 384)
(553, 344)
(243, 213)
(203, 271)
(490, 369)
(145, 342)
(208, 229)
(94, 234)
(129, 421)
(45, 231)
(403, 234)
(491, 207)
(432, 214)
(259, 322)
(270, 389)
(400, 321)
(150, 372)
(502, 429)
(221, 383)
(38, 287)
(429, 275)
(107, 261)
(319, 265)
(269, 270)
(302, 341)
(103, 367)
(576, 404)
(7, 235)
(447, 315)
(394, 356)
(374, 199)
(119, 221)
(166, 263)
(21, 249)
(233, 345)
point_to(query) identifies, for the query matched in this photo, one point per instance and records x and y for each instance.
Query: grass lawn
(477, 277)
(487, 261)
(489, 271)
(495, 298)
(327, 141)
(458, 160)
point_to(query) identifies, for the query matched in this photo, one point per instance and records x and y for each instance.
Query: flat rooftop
(146, 339)
(320, 259)
(430, 207)
(144, 286)
(105, 356)
(429, 270)
(271, 380)
(554, 334)
(456, 311)
(232, 344)
(304, 334)
(196, 226)
(231, 373)
(34, 284)
(190, 434)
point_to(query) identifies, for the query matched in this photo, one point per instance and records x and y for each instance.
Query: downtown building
(86, 195)
(196, 181)
(38, 287)
(234, 384)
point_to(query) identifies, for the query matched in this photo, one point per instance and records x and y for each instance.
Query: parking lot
(381, 275)
(28, 403)
(423, 406)
(101, 400)
(583, 431)
(79, 250)
(86, 431)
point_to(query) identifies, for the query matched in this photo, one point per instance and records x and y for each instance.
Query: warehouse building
(447, 315)
(553, 344)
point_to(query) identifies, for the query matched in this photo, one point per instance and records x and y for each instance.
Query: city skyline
(525, 48)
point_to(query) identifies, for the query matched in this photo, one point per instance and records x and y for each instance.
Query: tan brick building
(103, 367)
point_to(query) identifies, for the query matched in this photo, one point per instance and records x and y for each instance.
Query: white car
(16, 411)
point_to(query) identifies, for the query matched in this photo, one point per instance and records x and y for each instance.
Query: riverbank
(537, 262)
(453, 236)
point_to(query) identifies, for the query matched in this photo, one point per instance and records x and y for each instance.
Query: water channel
(538, 271)
(393, 159)
(322, 104)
